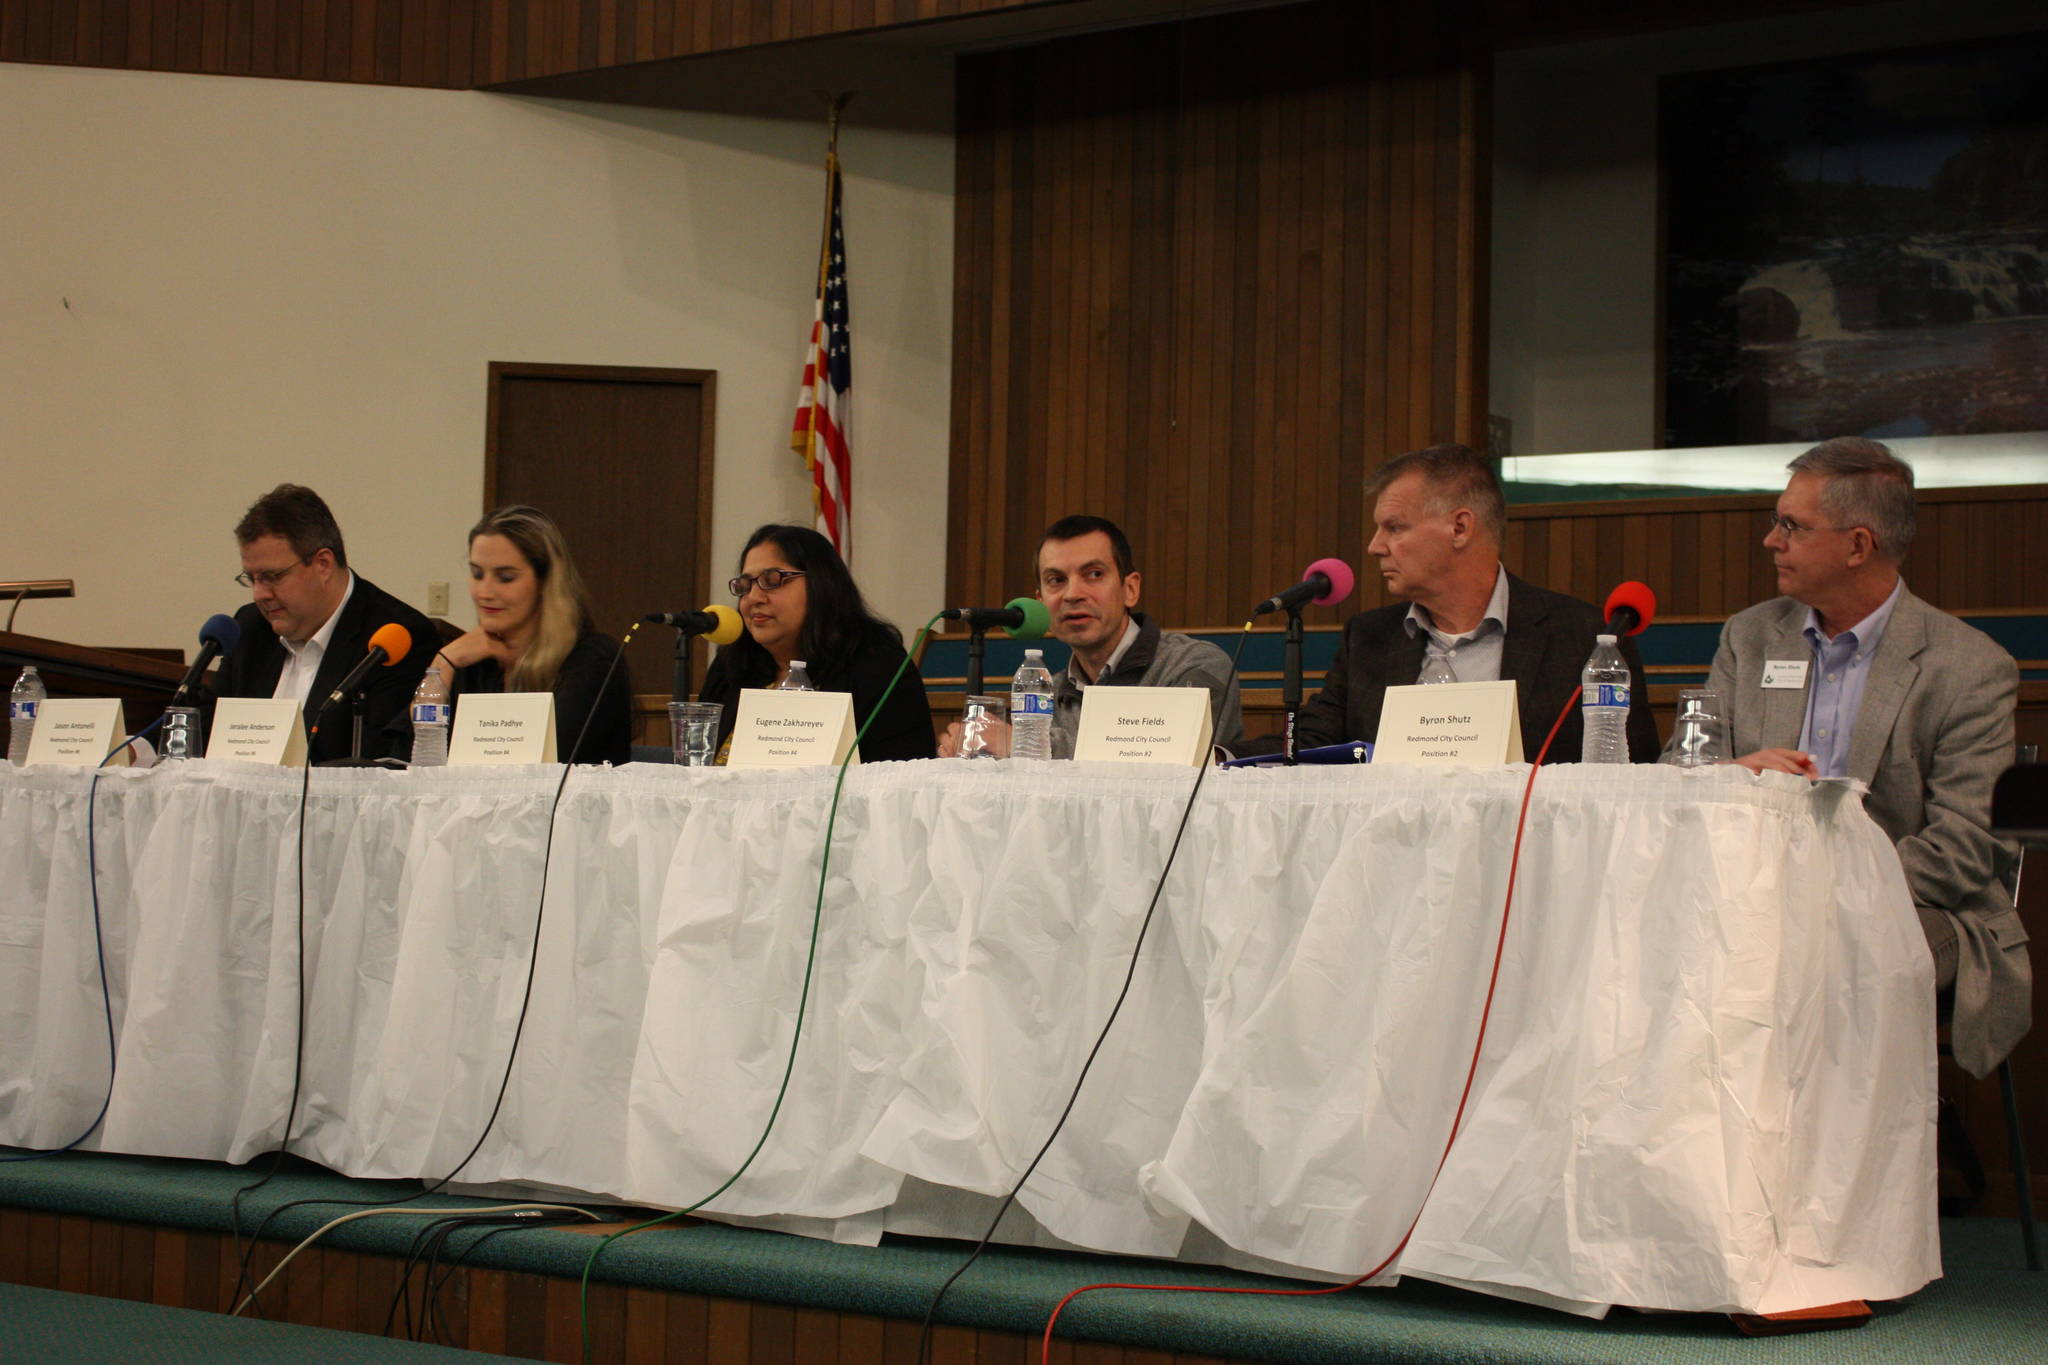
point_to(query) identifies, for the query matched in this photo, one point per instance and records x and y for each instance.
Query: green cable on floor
(802, 1000)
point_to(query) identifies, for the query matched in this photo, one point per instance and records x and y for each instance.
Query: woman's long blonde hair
(564, 606)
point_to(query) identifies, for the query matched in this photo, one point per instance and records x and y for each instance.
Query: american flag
(824, 404)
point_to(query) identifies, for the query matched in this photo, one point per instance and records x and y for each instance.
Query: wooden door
(621, 459)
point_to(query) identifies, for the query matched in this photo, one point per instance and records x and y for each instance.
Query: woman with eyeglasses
(535, 633)
(798, 601)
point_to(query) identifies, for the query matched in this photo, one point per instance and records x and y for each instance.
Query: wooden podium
(143, 682)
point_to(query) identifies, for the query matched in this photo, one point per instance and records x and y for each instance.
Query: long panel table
(1708, 1080)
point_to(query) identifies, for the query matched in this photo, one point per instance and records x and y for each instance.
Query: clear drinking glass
(693, 726)
(1700, 736)
(181, 736)
(977, 723)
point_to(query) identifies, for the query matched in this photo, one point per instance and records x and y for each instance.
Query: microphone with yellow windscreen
(719, 625)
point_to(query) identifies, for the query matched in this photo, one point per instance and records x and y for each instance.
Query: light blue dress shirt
(1474, 656)
(1834, 694)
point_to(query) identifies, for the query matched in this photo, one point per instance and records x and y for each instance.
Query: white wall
(1575, 233)
(209, 285)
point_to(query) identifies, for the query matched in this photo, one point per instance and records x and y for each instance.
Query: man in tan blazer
(1851, 675)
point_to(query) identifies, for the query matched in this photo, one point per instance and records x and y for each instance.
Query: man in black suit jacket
(1439, 515)
(311, 622)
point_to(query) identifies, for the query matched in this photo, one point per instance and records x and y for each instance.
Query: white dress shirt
(302, 662)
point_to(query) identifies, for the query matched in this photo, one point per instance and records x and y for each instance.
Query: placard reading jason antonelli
(77, 732)
(503, 727)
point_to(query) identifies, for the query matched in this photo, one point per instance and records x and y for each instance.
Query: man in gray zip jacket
(1090, 585)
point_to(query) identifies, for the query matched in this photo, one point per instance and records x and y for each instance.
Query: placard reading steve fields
(1144, 725)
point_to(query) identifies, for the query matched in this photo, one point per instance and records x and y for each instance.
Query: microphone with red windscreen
(388, 644)
(1630, 607)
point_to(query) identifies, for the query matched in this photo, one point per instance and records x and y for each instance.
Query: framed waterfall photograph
(1857, 246)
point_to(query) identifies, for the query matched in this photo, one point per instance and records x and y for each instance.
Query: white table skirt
(1708, 1081)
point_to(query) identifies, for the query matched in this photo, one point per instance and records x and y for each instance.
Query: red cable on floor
(1457, 1119)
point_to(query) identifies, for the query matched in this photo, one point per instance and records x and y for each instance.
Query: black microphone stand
(681, 685)
(1290, 686)
(977, 647)
(355, 742)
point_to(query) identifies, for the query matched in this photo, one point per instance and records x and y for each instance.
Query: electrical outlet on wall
(437, 598)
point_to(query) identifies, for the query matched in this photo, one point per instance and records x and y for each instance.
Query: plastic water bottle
(799, 679)
(430, 717)
(1603, 702)
(1031, 708)
(23, 705)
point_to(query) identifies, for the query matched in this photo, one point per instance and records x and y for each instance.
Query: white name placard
(792, 729)
(1144, 725)
(259, 730)
(1470, 723)
(502, 727)
(77, 732)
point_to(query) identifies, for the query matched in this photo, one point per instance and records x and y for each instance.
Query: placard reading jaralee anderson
(259, 730)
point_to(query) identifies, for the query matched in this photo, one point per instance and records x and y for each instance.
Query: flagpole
(833, 104)
(808, 429)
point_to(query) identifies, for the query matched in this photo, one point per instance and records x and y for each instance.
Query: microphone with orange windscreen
(388, 644)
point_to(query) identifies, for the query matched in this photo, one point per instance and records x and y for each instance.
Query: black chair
(1953, 1135)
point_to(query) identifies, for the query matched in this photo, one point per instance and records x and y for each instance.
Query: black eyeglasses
(270, 578)
(771, 579)
(1790, 528)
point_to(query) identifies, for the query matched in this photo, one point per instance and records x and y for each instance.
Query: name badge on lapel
(1786, 673)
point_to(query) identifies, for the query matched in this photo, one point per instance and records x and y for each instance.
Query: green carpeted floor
(1987, 1311)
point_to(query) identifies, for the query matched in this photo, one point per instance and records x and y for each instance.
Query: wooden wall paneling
(14, 28)
(1114, 191)
(338, 1293)
(1975, 550)
(488, 1293)
(1055, 188)
(1239, 458)
(1307, 249)
(103, 1267)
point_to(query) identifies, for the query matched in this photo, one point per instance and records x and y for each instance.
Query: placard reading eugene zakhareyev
(776, 729)
(1144, 725)
(1469, 723)
(503, 727)
(259, 730)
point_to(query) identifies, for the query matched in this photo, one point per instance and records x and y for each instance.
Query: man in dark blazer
(311, 622)
(1849, 675)
(1439, 515)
